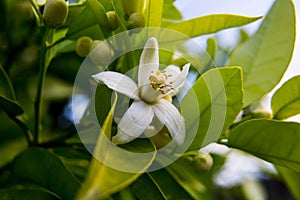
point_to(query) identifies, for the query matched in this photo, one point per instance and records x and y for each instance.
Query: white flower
(150, 96)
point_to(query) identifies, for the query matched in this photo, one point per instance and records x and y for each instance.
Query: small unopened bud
(83, 46)
(132, 6)
(101, 53)
(55, 13)
(112, 19)
(136, 20)
(203, 162)
(262, 114)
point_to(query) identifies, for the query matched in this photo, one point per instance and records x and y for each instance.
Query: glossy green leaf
(286, 100)
(266, 55)
(8, 101)
(93, 17)
(103, 180)
(274, 141)
(220, 98)
(188, 178)
(292, 180)
(26, 193)
(45, 169)
(154, 13)
(210, 24)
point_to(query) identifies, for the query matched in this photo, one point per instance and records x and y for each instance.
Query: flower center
(158, 81)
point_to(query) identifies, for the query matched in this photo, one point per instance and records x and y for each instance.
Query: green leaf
(210, 24)
(8, 101)
(274, 141)
(103, 180)
(92, 21)
(266, 55)
(168, 187)
(220, 98)
(189, 178)
(292, 180)
(45, 169)
(286, 100)
(154, 13)
(26, 193)
(172, 12)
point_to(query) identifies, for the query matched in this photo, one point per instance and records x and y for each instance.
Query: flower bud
(136, 20)
(203, 162)
(83, 46)
(55, 13)
(132, 6)
(112, 19)
(101, 52)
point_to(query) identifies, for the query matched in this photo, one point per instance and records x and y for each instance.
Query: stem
(40, 86)
(24, 127)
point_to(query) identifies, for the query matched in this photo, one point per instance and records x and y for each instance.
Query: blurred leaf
(93, 14)
(144, 188)
(154, 13)
(286, 100)
(171, 12)
(9, 149)
(8, 101)
(266, 55)
(74, 12)
(45, 169)
(292, 180)
(210, 24)
(274, 141)
(26, 193)
(220, 98)
(188, 177)
(102, 180)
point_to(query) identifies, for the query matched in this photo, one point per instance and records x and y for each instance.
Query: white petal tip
(152, 43)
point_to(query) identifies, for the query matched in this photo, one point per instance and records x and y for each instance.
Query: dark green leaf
(220, 98)
(45, 169)
(286, 100)
(25, 193)
(274, 141)
(210, 24)
(266, 55)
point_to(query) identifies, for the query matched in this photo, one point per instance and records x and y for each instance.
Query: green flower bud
(132, 6)
(101, 53)
(263, 114)
(203, 162)
(136, 20)
(83, 46)
(112, 19)
(55, 13)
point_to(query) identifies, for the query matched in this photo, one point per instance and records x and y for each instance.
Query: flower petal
(168, 114)
(149, 61)
(180, 78)
(134, 122)
(119, 83)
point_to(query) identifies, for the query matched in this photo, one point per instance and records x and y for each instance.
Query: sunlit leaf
(8, 101)
(210, 24)
(266, 55)
(220, 98)
(102, 180)
(274, 141)
(45, 169)
(172, 12)
(286, 100)
(154, 13)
